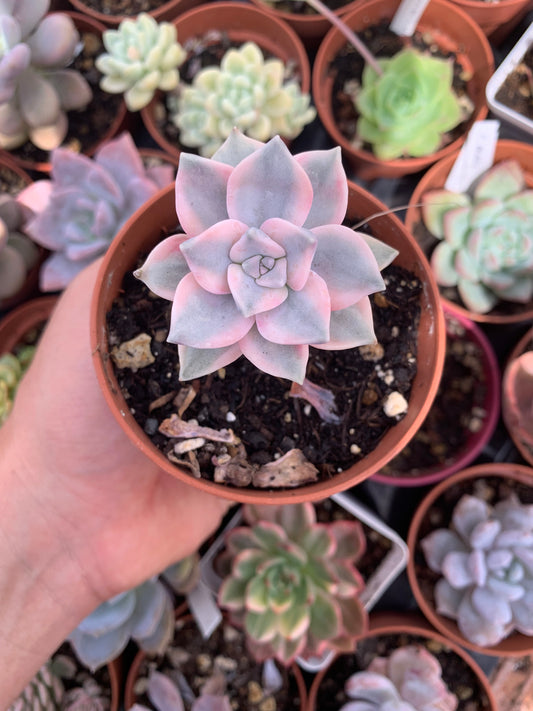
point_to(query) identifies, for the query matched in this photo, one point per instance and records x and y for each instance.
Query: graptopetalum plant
(264, 267)
(409, 679)
(518, 394)
(486, 562)
(37, 88)
(486, 238)
(292, 582)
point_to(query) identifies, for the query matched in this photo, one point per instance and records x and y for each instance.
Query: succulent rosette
(264, 268)
(407, 110)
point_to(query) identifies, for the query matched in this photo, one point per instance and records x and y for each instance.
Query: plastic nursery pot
(158, 217)
(15, 326)
(449, 492)
(451, 29)
(39, 160)
(165, 11)
(459, 328)
(295, 678)
(496, 19)
(389, 631)
(505, 312)
(510, 416)
(241, 23)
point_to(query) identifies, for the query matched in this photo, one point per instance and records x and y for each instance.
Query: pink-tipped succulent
(80, 210)
(487, 238)
(518, 394)
(410, 679)
(36, 87)
(293, 584)
(486, 560)
(265, 267)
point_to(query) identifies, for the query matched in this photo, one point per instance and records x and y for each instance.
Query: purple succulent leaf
(443, 264)
(456, 226)
(447, 598)
(12, 65)
(164, 267)
(150, 600)
(505, 589)
(137, 192)
(328, 179)
(160, 638)
(57, 272)
(409, 661)
(10, 33)
(196, 362)
(95, 651)
(235, 148)
(491, 605)
(371, 687)
(209, 702)
(322, 399)
(75, 169)
(204, 320)
(84, 252)
(38, 101)
(350, 327)
(269, 183)
(163, 693)
(302, 318)
(478, 567)
(476, 297)
(525, 556)
(250, 297)
(499, 559)
(523, 612)
(72, 89)
(468, 513)
(457, 569)
(478, 629)
(338, 249)
(438, 544)
(435, 204)
(54, 41)
(162, 175)
(201, 192)
(484, 534)
(121, 159)
(511, 538)
(299, 246)
(28, 13)
(35, 197)
(501, 181)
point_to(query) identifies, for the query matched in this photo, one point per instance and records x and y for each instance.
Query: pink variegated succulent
(408, 680)
(265, 267)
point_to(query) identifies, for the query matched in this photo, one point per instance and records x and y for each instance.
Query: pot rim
(524, 344)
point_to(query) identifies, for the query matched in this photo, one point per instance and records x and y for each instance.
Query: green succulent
(407, 110)
(246, 92)
(293, 584)
(12, 368)
(142, 56)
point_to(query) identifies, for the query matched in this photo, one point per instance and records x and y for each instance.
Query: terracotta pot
(516, 644)
(144, 230)
(474, 441)
(404, 624)
(496, 19)
(182, 613)
(168, 11)
(242, 23)
(435, 178)
(22, 319)
(310, 27)
(83, 24)
(452, 29)
(510, 417)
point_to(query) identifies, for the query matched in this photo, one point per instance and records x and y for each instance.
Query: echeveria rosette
(409, 679)
(293, 585)
(87, 200)
(406, 111)
(486, 562)
(486, 247)
(265, 267)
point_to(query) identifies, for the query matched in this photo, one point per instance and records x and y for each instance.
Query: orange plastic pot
(23, 319)
(516, 644)
(242, 23)
(405, 624)
(435, 178)
(145, 229)
(508, 411)
(496, 19)
(452, 29)
(168, 11)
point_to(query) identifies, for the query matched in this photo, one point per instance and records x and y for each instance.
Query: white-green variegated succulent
(142, 56)
(246, 92)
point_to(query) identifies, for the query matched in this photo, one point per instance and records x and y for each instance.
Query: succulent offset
(486, 562)
(486, 247)
(264, 267)
(87, 200)
(246, 92)
(37, 88)
(407, 110)
(142, 56)
(12, 368)
(144, 614)
(518, 393)
(18, 254)
(409, 679)
(293, 584)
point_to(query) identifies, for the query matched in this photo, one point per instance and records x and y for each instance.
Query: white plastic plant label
(407, 16)
(204, 609)
(475, 157)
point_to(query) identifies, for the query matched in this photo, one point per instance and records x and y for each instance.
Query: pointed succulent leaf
(163, 693)
(328, 180)
(350, 327)
(165, 267)
(279, 360)
(110, 614)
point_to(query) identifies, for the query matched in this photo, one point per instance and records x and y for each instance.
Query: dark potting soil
(488, 488)
(457, 413)
(301, 7)
(123, 7)
(347, 70)
(97, 684)
(10, 182)
(257, 406)
(458, 676)
(191, 661)
(86, 127)
(516, 92)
